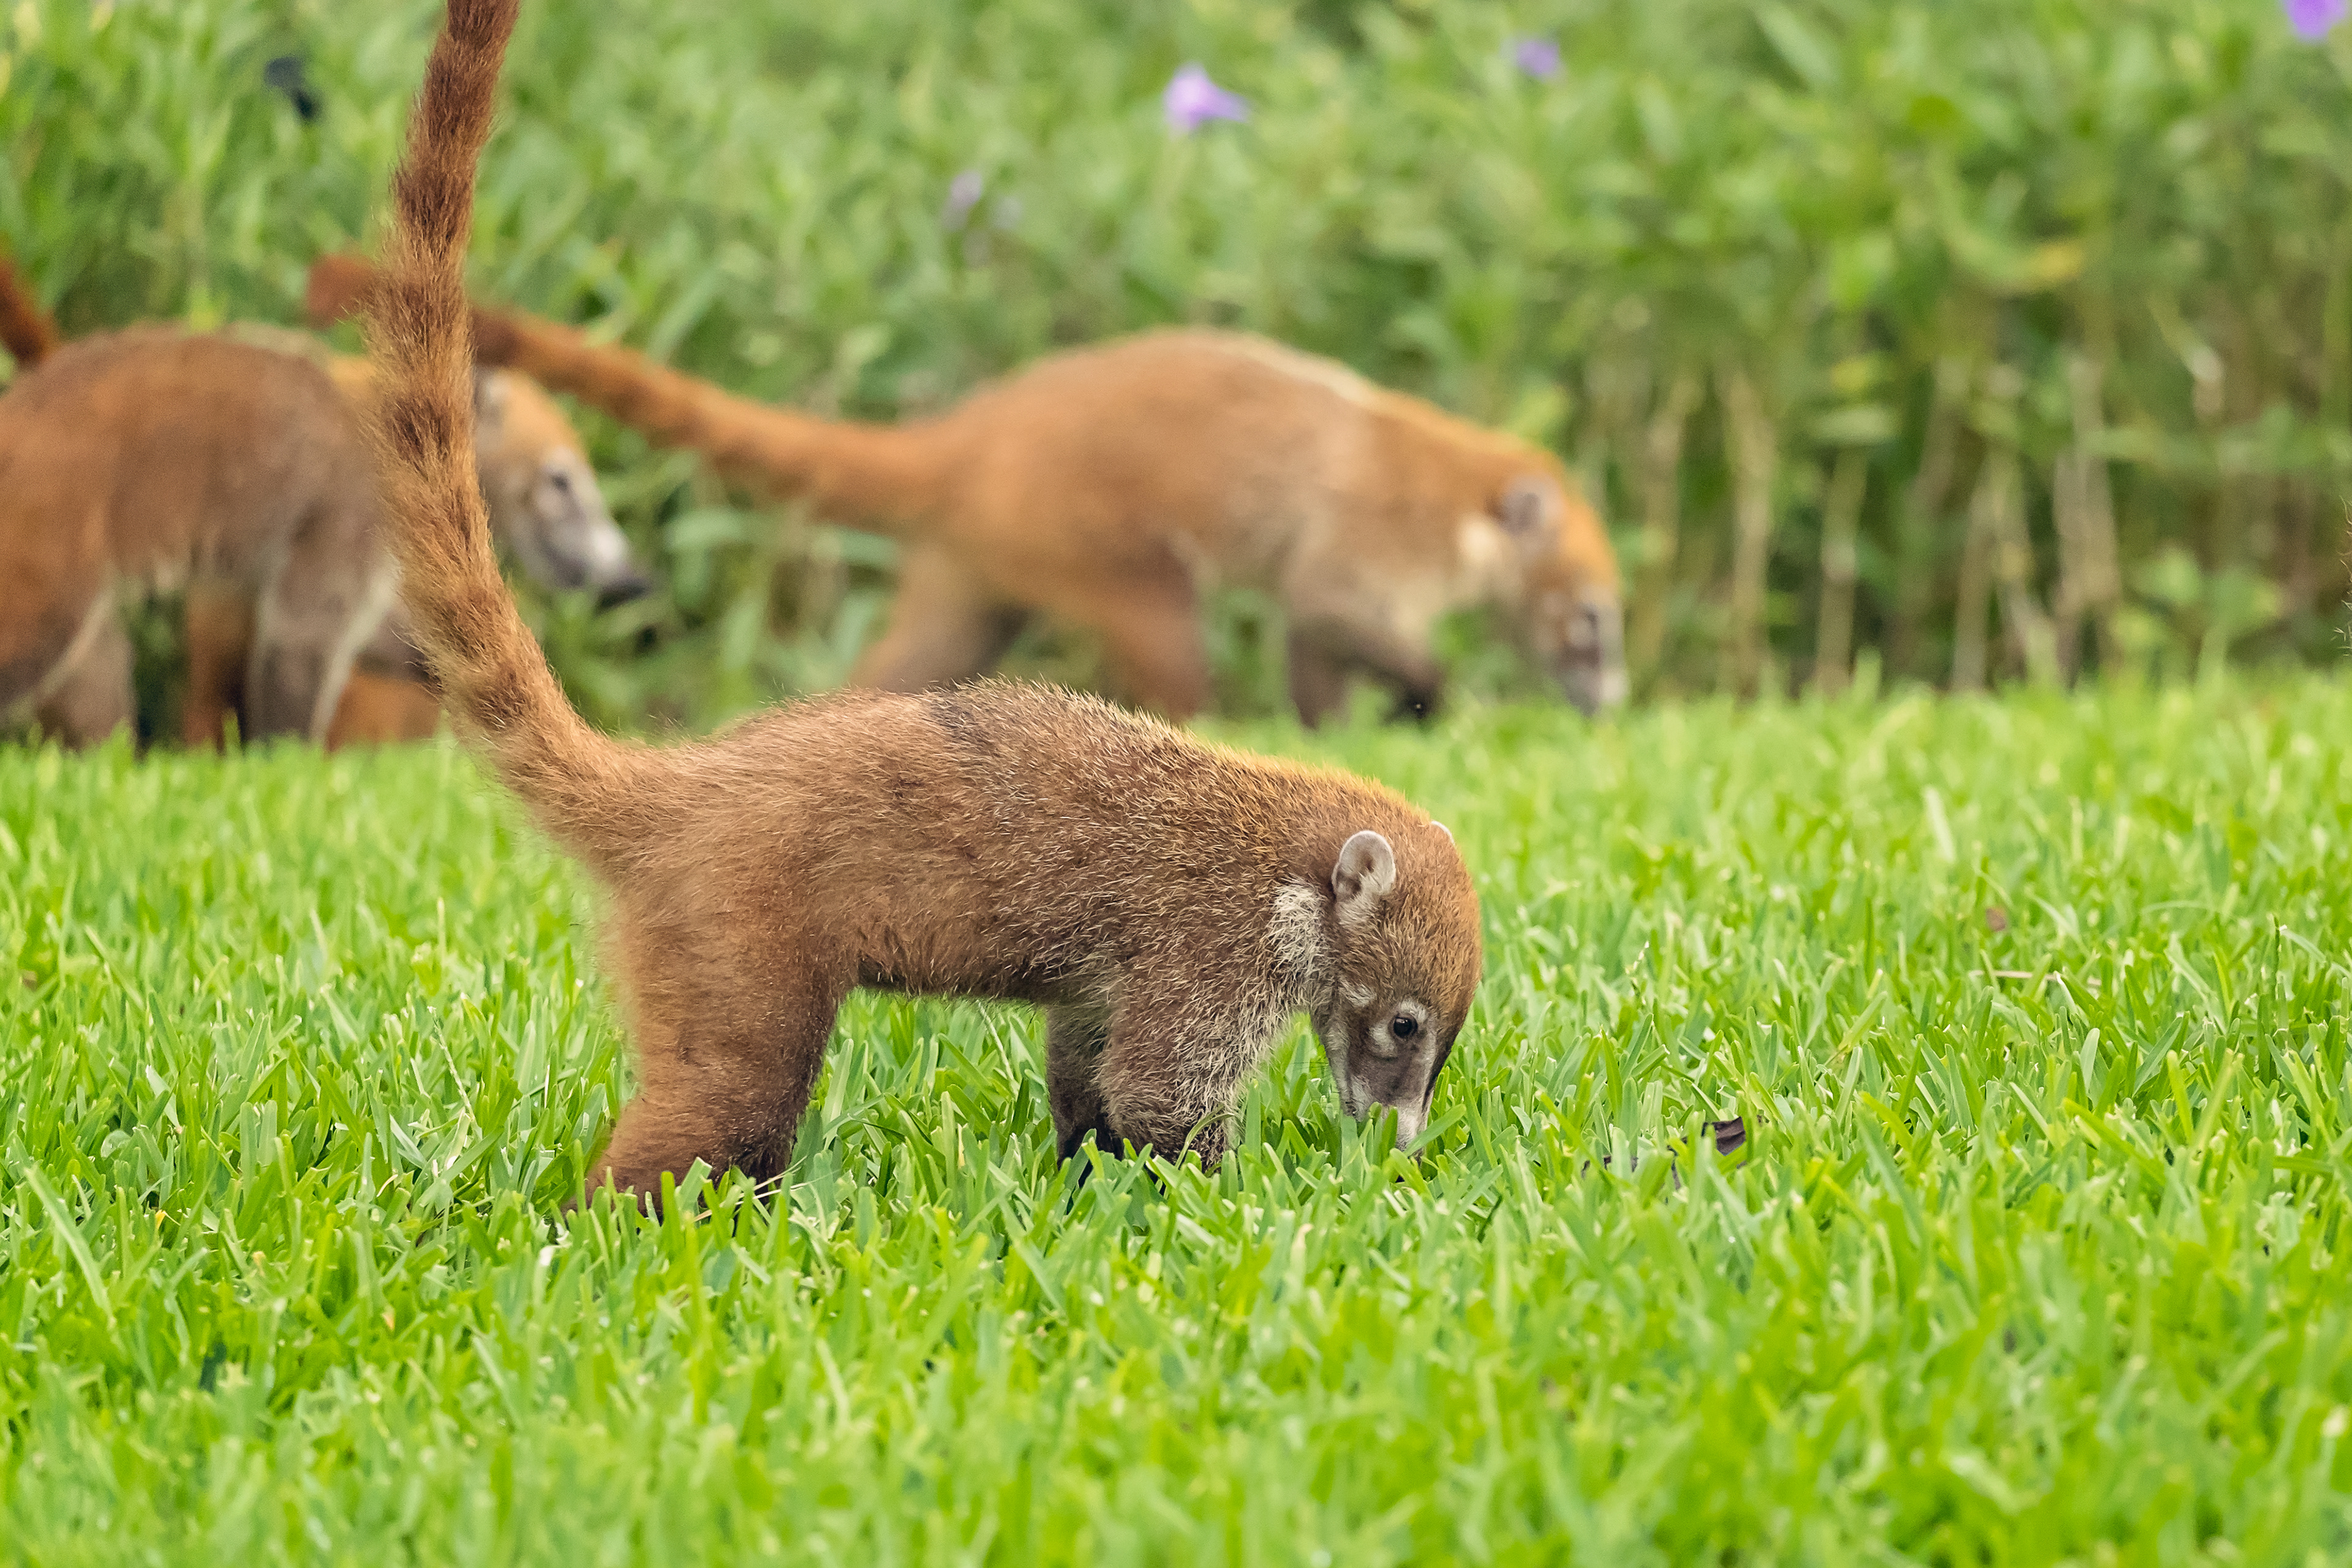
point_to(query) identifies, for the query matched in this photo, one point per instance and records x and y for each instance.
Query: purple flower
(2311, 19)
(1539, 57)
(964, 195)
(1192, 100)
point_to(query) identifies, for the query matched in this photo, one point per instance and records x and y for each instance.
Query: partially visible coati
(154, 460)
(546, 509)
(1169, 904)
(1109, 486)
(168, 418)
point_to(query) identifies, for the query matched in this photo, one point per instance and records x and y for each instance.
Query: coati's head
(1568, 588)
(1402, 941)
(545, 504)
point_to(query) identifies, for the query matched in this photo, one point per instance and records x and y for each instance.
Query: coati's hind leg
(45, 627)
(943, 628)
(1075, 1041)
(90, 696)
(731, 1034)
(323, 601)
(1349, 641)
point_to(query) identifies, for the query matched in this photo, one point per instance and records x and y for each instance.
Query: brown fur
(26, 329)
(384, 710)
(1109, 487)
(543, 498)
(1169, 903)
(152, 459)
(521, 439)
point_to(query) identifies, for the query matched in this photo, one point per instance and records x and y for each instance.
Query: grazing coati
(1109, 487)
(546, 509)
(151, 460)
(212, 459)
(1169, 903)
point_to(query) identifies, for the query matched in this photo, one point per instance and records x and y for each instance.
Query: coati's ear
(1524, 508)
(1365, 875)
(490, 388)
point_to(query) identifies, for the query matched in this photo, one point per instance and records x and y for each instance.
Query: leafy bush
(2004, 339)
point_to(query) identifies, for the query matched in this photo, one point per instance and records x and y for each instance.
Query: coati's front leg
(1318, 681)
(1075, 1038)
(1323, 647)
(1169, 1075)
(1153, 637)
(218, 621)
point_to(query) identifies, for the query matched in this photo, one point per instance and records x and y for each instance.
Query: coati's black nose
(632, 586)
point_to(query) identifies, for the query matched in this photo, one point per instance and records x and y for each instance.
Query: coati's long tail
(586, 790)
(881, 477)
(26, 329)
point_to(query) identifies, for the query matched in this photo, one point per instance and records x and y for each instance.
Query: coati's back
(158, 444)
(1022, 819)
(1240, 443)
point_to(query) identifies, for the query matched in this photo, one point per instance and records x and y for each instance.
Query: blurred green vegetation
(1979, 341)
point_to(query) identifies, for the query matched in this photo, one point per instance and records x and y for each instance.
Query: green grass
(2033, 1256)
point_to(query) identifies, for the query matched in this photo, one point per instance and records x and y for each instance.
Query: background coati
(545, 502)
(154, 460)
(1109, 487)
(1169, 903)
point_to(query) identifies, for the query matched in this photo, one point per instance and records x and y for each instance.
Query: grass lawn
(2034, 1009)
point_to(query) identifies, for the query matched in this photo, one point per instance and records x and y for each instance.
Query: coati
(1169, 904)
(152, 460)
(167, 418)
(546, 509)
(1109, 486)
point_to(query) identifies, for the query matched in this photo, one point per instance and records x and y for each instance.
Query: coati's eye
(1403, 1026)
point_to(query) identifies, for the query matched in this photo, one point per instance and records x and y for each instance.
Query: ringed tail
(884, 478)
(588, 792)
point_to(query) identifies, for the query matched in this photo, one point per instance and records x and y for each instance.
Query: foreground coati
(1169, 904)
(1109, 486)
(186, 459)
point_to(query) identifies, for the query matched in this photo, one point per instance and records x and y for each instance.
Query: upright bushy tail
(587, 790)
(26, 329)
(885, 477)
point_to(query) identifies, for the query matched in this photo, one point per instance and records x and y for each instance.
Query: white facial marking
(1485, 553)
